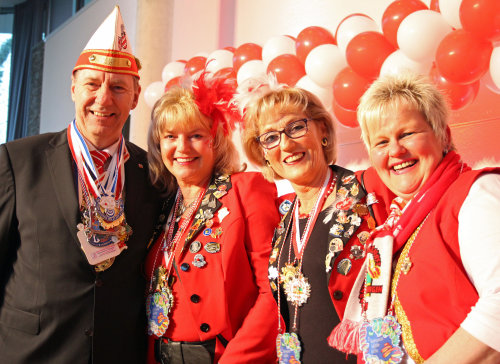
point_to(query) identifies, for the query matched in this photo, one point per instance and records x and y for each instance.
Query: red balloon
(394, 15)
(344, 116)
(463, 58)
(366, 52)
(348, 87)
(309, 38)
(230, 49)
(176, 81)
(458, 95)
(434, 5)
(481, 18)
(287, 68)
(194, 65)
(244, 53)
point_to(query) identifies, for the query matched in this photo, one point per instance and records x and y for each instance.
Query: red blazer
(235, 300)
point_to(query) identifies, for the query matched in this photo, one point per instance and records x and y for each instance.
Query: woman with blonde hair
(209, 299)
(318, 247)
(441, 303)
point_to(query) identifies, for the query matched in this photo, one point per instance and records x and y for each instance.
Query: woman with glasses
(319, 245)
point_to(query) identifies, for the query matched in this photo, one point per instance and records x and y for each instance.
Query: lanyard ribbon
(113, 179)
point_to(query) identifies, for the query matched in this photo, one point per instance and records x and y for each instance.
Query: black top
(317, 317)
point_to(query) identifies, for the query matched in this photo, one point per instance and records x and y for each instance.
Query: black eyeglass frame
(283, 131)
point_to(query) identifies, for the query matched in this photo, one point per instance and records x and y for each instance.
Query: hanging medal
(380, 338)
(104, 230)
(160, 300)
(295, 285)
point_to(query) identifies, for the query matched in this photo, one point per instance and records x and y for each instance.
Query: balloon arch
(455, 42)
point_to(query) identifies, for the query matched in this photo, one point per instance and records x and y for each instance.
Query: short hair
(282, 101)
(178, 107)
(408, 89)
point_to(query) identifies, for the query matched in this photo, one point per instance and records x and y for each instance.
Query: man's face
(103, 101)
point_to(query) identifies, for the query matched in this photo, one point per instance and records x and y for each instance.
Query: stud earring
(324, 142)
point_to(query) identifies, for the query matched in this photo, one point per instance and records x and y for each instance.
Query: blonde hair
(416, 91)
(282, 101)
(178, 107)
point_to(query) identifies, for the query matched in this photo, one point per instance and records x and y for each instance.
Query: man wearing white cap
(76, 214)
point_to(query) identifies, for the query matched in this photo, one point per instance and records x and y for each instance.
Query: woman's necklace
(183, 208)
(295, 284)
(160, 299)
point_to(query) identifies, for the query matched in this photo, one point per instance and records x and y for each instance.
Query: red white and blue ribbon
(113, 179)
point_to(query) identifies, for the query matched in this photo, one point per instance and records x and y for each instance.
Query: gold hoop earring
(324, 142)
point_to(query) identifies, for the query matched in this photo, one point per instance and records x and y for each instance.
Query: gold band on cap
(108, 61)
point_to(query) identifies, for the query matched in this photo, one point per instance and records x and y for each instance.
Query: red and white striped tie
(100, 157)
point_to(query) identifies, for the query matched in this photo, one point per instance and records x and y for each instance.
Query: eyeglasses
(293, 130)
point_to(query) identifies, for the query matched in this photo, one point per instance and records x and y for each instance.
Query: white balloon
(352, 26)
(251, 69)
(325, 94)
(171, 70)
(420, 33)
(450, 10)
(488, 82)
(398, 62)
(219, 59)
(495, 66)
(276, 46)
(323, 64)
(153, 92)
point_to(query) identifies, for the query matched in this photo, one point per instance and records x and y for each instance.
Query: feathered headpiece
(213, 96)
(255, 88)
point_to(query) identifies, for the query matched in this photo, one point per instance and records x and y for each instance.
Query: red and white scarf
(386, 239)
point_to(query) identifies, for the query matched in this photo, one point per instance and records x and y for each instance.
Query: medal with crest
(295, 285)
(104, 230)
(159, 303)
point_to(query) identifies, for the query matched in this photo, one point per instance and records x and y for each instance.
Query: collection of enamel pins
(104, 231)
(160, 300)
(345, 219)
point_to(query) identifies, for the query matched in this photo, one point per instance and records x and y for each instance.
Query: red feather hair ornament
(213, 96)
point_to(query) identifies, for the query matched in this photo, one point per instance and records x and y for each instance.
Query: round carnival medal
(344, 266)
(101, 240)
(288, 348)
(379, 340)
(102, 266)
(297, 289)
(158, 306)
(285, 207)
(195, 247)
(109, 211)
(336, 245)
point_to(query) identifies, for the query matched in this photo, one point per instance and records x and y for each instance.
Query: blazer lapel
(219, 187)
(62, 173)
(345, 216)
(134, 176)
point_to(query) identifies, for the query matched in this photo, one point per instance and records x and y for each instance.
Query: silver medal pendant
(297, 289)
